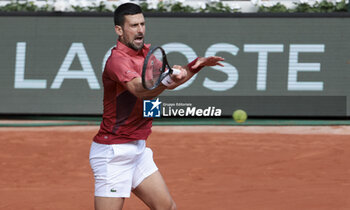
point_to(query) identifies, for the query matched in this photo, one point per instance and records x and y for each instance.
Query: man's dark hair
(125, 9)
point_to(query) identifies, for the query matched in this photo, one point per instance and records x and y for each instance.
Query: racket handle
(176, 71)
(167, 81)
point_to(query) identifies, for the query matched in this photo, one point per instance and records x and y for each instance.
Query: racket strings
(154, 68)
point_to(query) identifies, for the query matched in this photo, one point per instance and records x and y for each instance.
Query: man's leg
(108, 203)
(154, 193)
(113, 169)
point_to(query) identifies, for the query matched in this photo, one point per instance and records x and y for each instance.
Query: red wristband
(196, 70)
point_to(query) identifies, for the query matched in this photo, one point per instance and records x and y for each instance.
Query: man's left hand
(208, 61)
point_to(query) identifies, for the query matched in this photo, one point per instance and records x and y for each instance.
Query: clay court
(205, 167)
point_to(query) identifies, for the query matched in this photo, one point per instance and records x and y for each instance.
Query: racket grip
(176, 71)
(167, 81)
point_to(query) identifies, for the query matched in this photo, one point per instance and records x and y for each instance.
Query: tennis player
(119, 158)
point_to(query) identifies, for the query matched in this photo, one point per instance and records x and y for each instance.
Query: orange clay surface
(205, 167)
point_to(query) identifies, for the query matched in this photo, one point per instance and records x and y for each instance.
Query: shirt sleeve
(121, 70)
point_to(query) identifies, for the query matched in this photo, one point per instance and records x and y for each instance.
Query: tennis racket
(156, 68)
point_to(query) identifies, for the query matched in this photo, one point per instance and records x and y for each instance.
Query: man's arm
(193, 68)
(135, 87)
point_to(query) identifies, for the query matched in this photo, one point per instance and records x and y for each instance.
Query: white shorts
(120, 168)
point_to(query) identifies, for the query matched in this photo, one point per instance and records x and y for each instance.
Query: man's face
(133, 31)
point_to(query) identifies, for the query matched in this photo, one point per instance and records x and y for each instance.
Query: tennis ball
(239, 116)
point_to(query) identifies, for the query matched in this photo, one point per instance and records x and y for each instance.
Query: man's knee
(170, 205)
(173, 206)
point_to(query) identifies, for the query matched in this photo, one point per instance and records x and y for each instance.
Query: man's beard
(134, 47)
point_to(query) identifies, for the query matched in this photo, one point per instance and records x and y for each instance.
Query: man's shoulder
(119, 54)
(118, 58)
